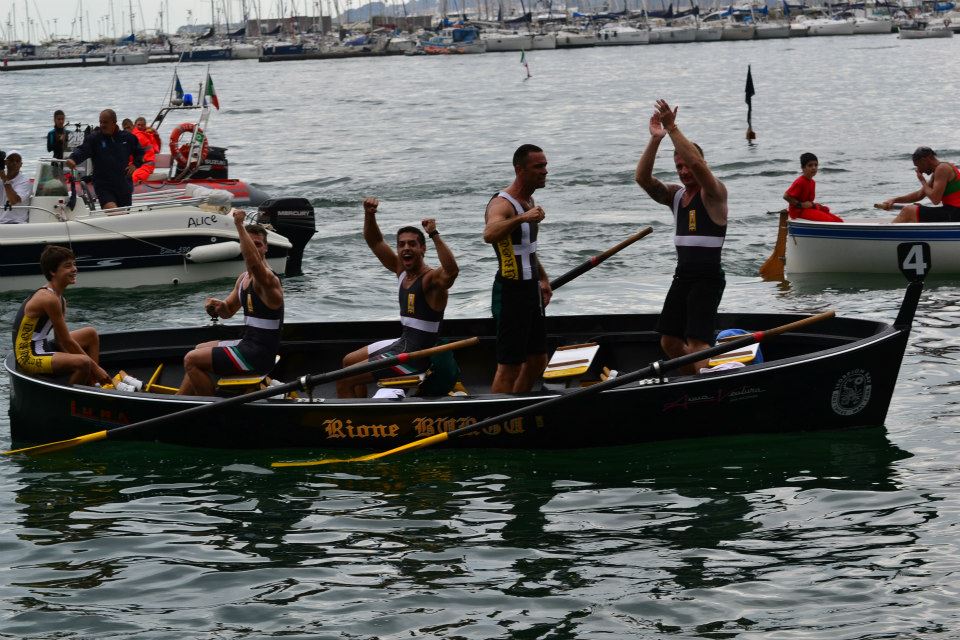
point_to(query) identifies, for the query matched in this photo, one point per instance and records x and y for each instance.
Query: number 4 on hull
(914, 258)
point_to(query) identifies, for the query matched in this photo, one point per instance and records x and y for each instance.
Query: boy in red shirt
(803, 191)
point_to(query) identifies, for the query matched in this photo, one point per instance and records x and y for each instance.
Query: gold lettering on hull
(423, 427)
(337, 428)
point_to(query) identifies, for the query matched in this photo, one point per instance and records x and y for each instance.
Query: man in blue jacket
(110, 148)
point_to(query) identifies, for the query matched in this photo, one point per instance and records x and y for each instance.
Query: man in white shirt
(16, 190)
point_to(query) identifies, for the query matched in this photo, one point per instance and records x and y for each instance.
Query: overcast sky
(60, 16)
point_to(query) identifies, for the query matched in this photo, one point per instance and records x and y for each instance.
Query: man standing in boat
(77, 352)
(423, 294)
(688, 320)
(942, 188)
(259, 293)
(521, 288)
(110, 148)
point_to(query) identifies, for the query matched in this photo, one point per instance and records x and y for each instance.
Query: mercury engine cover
(294, 219)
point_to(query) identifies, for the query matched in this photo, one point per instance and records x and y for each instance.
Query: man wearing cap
(16, 189)
(110, 148)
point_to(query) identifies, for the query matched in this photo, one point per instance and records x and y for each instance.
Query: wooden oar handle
(799, 324)
(894, 206)
(623, 244)
(440, 348)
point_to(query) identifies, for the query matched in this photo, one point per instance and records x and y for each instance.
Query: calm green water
(826, 536)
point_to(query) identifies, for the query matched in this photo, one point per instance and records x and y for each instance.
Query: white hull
(622, 36)
(127, 57)
(920, 34)
(245, 51)
(709, 34)
(507, 42)
(545, 41)
(864, 26)
(666, 35)
(799, 30)
(867, 247)
(830, 28)
(146, 277)
(570, 39)
(737, 32)
(770, 31)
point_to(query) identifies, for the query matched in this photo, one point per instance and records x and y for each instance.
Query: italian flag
(212, 93)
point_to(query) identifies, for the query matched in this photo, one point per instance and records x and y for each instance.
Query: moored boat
(159, 243)
(846, 367)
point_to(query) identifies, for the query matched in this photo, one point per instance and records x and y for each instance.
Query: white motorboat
(865, 25)
(827, 26)
(507, 41)
(614, 34)
(799, 30)
(127, 55)
(919, 31)
(575, 39)
(738, 31)
(673, 34)
(544, 40)
(245, 51)
(709, 32)
(402, 44)
(771, 29)
(160, 243)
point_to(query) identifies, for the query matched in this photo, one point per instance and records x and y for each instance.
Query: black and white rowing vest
(698, 239)
(516, 253)
(262, 324)
(30, 335)
(421, 323)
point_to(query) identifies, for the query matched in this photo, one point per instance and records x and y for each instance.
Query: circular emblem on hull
(851, 393)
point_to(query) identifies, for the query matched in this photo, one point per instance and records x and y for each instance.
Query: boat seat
(569, 364)
(412, 381)
(233, 385)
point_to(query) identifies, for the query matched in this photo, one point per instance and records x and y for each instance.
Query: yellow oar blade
(50, 447)
(410, 446)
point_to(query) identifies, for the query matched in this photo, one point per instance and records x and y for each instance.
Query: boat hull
(846, 368)
(854, 247)
(130, 250)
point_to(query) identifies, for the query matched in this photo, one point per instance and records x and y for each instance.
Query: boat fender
(216, 252)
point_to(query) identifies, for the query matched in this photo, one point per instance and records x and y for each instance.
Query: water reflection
(648, 521)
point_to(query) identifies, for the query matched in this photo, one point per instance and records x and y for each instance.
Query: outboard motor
(213, 167)
(293, 218)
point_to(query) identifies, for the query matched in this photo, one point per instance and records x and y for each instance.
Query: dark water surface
(828, 536)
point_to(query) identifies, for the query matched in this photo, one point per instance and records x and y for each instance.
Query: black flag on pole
(750, 91)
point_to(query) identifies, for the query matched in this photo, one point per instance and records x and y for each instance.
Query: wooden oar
(597, 259)
(301, 384)
(772, 269)
(895, 206)
(657, 368)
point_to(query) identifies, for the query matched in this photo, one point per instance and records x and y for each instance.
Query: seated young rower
(802, 194)
(76, 352)
(422, 294)
(259, 292)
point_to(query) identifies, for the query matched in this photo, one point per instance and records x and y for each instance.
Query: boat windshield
(50, 181)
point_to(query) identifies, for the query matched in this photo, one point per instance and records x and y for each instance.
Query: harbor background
(833, 535)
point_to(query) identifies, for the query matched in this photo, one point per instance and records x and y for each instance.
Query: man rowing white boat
(942, 188)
